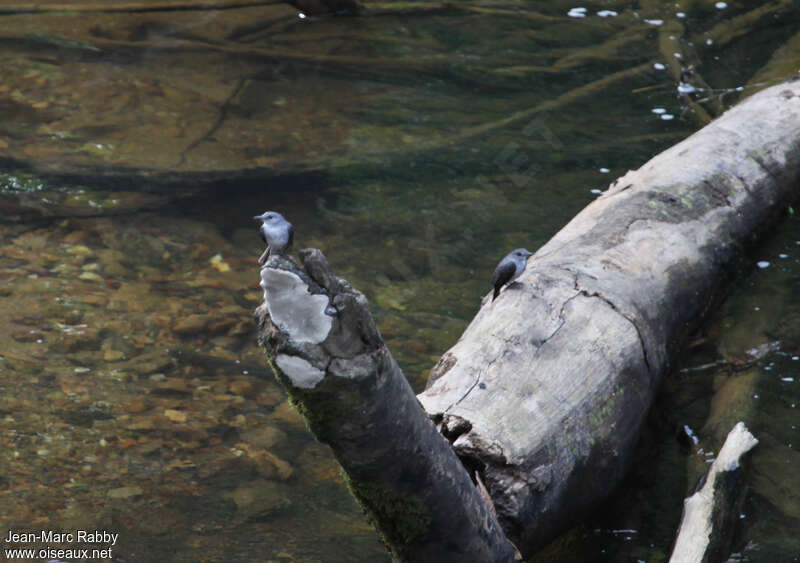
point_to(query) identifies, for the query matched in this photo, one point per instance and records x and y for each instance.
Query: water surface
(415, 145)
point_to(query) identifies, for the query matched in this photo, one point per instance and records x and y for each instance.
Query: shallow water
(414, 147)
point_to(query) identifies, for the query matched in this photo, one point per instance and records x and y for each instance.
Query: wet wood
(323, 346)
(670, 44)
(710, 514)
(547, 388)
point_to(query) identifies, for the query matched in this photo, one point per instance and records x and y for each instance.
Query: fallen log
(323, 346)
(546, 390)
(543, 396)
(710, 514)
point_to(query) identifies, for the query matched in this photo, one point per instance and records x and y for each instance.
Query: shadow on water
(415, 147)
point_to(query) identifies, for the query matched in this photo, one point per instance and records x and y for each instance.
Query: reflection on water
(415, 145)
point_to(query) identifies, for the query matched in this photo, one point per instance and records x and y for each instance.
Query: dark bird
(276, 232)
(509, 269)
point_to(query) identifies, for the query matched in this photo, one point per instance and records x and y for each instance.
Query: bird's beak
(258, 217)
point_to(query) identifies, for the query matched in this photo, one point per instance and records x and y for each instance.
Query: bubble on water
(658, 111)
(667, 117)
(659, 66)
(604, 170)
(762, 264)
(680, 15)
(654, 22)
(577, 13)
(607, 14)
(721, 5)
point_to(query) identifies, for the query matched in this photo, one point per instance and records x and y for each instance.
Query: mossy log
(546, 390)
(325, 349)
(710, 514)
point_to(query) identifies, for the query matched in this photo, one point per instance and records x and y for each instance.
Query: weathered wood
(547, 388)
(710, 514)
(324, 347)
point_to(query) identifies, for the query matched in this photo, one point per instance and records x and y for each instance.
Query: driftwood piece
(130, 7)
(546, 390)
(323, 346)
(710, 514)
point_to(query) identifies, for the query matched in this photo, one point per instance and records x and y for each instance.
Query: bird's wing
(291, 236)
(503, 274)
(261, 233)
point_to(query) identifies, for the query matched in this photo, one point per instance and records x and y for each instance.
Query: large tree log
(710, 514)
(547, 388)
(324, 348)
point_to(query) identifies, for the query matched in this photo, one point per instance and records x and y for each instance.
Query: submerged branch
(669, 44)
(133, 7)
(729, 30)
(604, 51)
(563, 100)
(323, 346)
(548, 386)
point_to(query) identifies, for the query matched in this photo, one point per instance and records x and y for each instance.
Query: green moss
(400, 518)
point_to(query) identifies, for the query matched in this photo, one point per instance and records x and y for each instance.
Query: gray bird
(277, 232)
(509, 269)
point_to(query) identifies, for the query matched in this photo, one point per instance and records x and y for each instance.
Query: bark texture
(710, 514)
(324, 347)
(546, 390)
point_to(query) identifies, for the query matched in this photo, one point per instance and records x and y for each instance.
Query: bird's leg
(263, 257)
